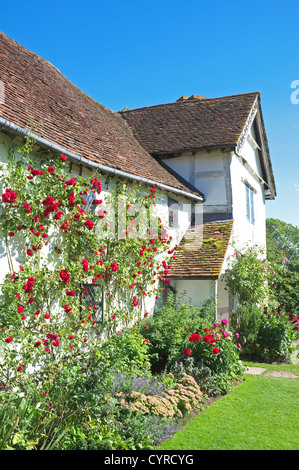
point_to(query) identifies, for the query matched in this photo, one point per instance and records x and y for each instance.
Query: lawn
(261, 413)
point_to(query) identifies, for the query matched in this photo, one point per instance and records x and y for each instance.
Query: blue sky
(142, 53)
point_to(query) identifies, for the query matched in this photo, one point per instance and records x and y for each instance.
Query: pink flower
(224, 322)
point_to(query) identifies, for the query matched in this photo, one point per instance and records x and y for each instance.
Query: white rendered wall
(17, 245)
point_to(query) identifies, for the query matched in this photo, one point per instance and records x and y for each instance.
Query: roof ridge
(197, 101)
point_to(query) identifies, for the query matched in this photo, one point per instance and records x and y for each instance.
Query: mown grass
(261, 413)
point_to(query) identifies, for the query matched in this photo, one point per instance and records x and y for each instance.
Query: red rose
(20, 308)
(89, 224)
(114, 266)
(9, 196)
(63, 157)
(47, 316)
(194, 337)
(216, 351)
(29, 252)
(27, 207)
(37, 344)
(72, 198)
(85, 264)
(64, 276)
(187, 352)
(51, 169)
(9, 340)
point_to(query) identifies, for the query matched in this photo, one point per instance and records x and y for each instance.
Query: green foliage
(246, 320)
(166, 330)
(25, 425)
(275, 337)
(249, 275)
(127, 351)
(283, 248)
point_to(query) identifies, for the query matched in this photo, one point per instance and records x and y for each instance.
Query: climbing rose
(64, 276)
(114, 266)
(85, 264)
(89, 224)
(9, 196)
(63, 157)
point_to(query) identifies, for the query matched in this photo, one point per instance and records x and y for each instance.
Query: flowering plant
(58, 226)
(250, 275)
(215, 347)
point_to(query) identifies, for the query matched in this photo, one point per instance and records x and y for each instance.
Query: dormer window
(250, 203)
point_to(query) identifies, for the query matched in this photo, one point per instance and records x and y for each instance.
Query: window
(173, 207)
(92, 295)
(249, 203)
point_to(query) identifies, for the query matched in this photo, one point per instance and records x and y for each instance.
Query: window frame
(250, 205)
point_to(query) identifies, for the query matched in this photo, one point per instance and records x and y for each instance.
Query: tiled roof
(191, 124)
(202, 251)
(199, 123)
(39, 98)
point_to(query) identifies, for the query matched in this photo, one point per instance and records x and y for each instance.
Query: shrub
(166, 330)
(246, 320)
(250, 276)
(276, 336)
(175, 402)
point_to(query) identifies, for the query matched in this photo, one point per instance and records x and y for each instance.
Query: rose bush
(51, 219)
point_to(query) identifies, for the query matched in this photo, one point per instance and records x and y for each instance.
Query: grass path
(261, 413)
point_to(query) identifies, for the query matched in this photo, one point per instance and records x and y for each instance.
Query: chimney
(183, 98)
(197, 97)
(191, 98)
